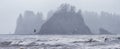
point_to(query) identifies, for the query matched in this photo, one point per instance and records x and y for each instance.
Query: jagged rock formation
(104, 32)
(65, 21)
(105, 20)
(29, 23)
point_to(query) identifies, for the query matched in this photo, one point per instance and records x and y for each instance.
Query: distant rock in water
(29, 23)
(104, 32)
(109, 21)
(65, 21)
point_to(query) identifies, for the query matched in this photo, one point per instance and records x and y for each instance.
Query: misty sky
(10, 9)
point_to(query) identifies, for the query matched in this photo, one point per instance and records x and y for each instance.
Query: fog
(10, 9)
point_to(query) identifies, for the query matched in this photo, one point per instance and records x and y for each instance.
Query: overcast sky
(10, 9)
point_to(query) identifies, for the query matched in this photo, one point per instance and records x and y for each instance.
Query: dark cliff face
(28, 23)
(65, 21)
